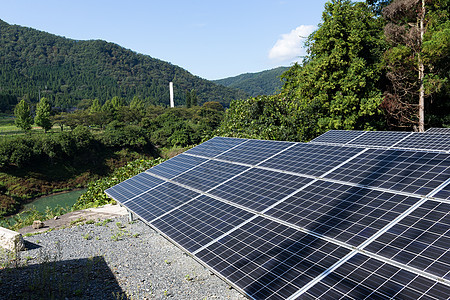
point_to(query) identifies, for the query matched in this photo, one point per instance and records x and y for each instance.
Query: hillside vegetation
(262, 83)
(67, 71)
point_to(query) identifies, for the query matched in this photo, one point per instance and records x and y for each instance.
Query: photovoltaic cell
(133, 187)
(438, 130)
(176, 165)
(346, 213)
(254, 151)
(200, 221)
(362, 277)
(209, 175)
(406, 171)
(159, 200)
(338, 136)
(268, 260)
(426, 141)
(379, 138)
(420, 240)
(310, 159)
(257, 189)
(215, 146)
(444, 193)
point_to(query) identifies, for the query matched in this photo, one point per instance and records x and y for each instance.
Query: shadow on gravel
(30, 246)
(88, 278)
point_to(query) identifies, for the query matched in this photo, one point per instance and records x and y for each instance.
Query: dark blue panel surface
(258, 189)
(426, 141)
(209, 175)
(338, 136)
(346, 213)
(132, 187)
(254, 151)
(199, 222)
(176, 165)
(215, 146)
(420, 240)
(159, 201)
(406, 171)
(379, 138)
(311, 159)
(367, 278)
(269, 260)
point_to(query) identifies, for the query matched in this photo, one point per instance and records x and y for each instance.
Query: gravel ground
(108, 260)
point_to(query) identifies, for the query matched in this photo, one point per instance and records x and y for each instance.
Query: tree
(338, 85)
(188, 99)
(23, 115)
(194, 98)
(417, 61)
(137, 104)
(42, 118)
(96, 106)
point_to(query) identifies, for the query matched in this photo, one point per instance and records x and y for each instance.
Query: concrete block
(11, 240)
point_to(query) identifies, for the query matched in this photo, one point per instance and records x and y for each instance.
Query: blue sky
(209, 38)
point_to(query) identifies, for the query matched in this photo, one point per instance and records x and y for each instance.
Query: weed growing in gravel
(188, 278)
(77, 221)
(87, 236)
(167, 261)
(89, 222)
(103, 223)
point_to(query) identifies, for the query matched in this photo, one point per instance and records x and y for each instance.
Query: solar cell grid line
(257, 188)
(338, 136)
(156, 202)
(414, 172)
(176, 166)
(208, 175)
(426, 141)
(438, 130)
(133, 187)
(215, 146)
(254, 151)
(310, 159)
(362, 277)
(379, 138)
(268, 260)
(341, 212)
(198, 222)
(420, 240)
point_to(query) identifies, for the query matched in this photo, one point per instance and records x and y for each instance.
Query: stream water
(64, 199)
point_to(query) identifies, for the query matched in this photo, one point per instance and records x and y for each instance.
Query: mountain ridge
(68, 71)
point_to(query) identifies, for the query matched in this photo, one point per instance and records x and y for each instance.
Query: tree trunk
(421, 74)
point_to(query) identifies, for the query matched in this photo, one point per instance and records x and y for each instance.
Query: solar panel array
(281, 220)
(432, 140)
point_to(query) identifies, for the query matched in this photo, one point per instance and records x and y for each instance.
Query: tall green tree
(137, 104)
(42, 118)
(194, 98)
(337, 86)
(23, 116)
(418, 59)
(95, 107)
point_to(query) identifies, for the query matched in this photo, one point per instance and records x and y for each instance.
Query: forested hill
(67, 71)
(262, 83)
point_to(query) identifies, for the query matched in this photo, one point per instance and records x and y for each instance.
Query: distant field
(7, 126)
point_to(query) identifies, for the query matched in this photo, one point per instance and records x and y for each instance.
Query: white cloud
(289, 47)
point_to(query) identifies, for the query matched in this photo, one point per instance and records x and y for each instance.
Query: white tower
(171, 94)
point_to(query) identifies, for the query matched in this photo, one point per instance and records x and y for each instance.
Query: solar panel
(198, 222)
(268, 260)
(254, 151)
(338, 136)
(310, 159)
(346, 213)
(363, 277)
(215, 146)
(398, 170)
(438, 130)
(177, 165)
(379, 138)
(420, 240)
(426, 141)
(284, 220)
(258, 189)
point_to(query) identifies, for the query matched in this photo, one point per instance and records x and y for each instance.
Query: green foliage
(95, 194)
(76, 70)
(23, 115)
(255, 84)
(42, 118)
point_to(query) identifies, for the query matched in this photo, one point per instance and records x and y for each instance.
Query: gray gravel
(116, 260)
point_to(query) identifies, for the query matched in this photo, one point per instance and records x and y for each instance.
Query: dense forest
(66, 71)
(254, 84)
(370, 66)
